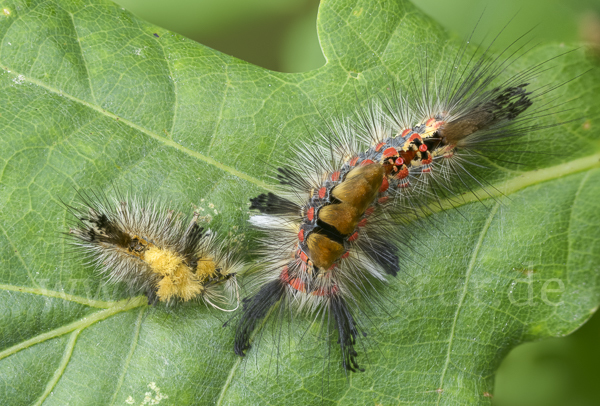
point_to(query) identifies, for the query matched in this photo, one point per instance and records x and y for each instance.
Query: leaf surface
(92, 97)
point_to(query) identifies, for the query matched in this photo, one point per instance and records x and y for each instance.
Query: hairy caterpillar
(339, 224)
(154, 250)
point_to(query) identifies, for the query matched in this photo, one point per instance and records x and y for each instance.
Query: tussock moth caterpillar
(338, 226)
(155, 250)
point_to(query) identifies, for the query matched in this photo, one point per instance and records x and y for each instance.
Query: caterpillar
(339, 226)
(154, 250)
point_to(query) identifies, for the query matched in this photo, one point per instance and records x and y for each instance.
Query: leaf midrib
(524, 180)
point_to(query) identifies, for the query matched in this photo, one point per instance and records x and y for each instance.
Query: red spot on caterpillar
(311, 214)
(297, 284)
(362, 223)
(284, 276)
(353, 237)
(403, 173)
(414, 137)
(322, 192)
(383, 199)
(404, 184)
(389, 152)
(353, 161)
(430, 122)
(346, 255)
(439, 124)
(428, 160)
(325, 291)
(301, 235)
(423, 148)
(384, 185)
(366, 162)
(406, 132)
(369, 211)
(378, 147)
(426, 170)
(303, 256)
(333, 266)
(335, 176)
(399, 161)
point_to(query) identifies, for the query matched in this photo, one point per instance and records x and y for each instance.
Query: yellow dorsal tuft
(206, 268)
(179, 280)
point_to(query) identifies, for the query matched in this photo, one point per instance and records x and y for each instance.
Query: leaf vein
(470, 267)
(367, 45)
(221, 108)
(61, 367)
(18, 255)
(85, 64)
(572, 211)
(136, 336)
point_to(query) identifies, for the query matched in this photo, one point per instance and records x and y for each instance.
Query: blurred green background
(281, 35)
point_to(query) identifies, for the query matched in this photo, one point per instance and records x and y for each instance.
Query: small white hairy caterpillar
(338, 226)
(156, 251)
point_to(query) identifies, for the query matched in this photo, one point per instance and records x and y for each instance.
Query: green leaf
(92, 97)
